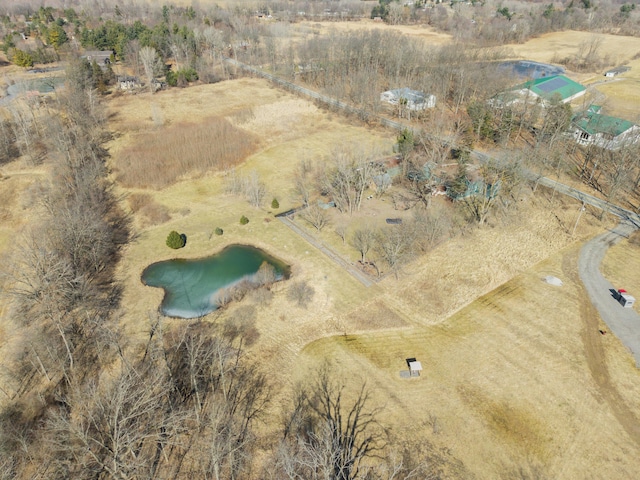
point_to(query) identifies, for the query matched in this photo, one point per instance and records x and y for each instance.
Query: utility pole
(582, 209)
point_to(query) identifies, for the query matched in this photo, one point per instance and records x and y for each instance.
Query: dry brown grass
(160, 158)
(623, 93)
(618, 49)
(148, 211)
(505, 379)
(424, 32)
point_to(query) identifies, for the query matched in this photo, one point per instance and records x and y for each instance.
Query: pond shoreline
(196, 287)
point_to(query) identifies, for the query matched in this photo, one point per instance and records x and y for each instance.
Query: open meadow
(520, 376)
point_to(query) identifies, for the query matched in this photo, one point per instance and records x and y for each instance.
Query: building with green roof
(542, 90)
(612, 133)
(557, 86)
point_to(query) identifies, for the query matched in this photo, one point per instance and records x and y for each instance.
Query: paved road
(624, 323)
(355, 272)
(622, 213)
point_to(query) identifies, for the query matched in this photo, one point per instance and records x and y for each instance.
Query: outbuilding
(415, 367)
(410, 99)
(543, 90)
(616, 71)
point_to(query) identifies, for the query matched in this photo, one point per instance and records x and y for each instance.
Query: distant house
(541, 90)
(101, 57)
(611, 133)
(127, 82)
(412, 99)
(616, 71)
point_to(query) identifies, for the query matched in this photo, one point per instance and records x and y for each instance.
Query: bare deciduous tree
(301, 181)
(498, 182)
(151, 64)
(254, 189)
(394, 245)
(316, 216)
(329, 433)
(341, 231)
(363, 240)
(301, 293)
(347, 179)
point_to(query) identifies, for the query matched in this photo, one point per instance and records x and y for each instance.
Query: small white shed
(415, 368)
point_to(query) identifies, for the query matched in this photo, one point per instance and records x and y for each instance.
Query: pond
(42, 85)
(193, 288)
(528, 69)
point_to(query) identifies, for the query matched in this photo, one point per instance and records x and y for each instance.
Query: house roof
(594, 123)
(415, 366)
(547, 87)
(620, 69)
(411, 95)
(97, 53)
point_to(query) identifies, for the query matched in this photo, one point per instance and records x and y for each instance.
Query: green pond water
(191, 287)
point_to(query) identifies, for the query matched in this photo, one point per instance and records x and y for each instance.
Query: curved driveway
(624, 323)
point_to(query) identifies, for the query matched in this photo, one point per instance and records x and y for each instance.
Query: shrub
(22, 58)
(175, 240)
(243, 220)
(219, 231)
(274, 204)
(301, 293)
(182, 77)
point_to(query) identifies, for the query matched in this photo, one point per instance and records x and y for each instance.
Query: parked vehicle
(624, 298)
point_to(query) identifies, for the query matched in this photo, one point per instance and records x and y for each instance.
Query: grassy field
(618, 49)
(623, 93)
(198, 205)
(505, 384)
(423, 32)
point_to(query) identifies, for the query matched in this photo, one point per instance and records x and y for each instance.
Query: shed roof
(415, 366)
(620, 69)
(594, 123)
(411, 95)
(547, 87)
(97, 53)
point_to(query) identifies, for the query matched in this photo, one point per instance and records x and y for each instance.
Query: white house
(126, 82)
(412, 99)
(616, 71)
(611, 133)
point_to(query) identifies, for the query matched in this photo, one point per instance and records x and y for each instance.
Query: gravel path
(357, 274)
(624, 323)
